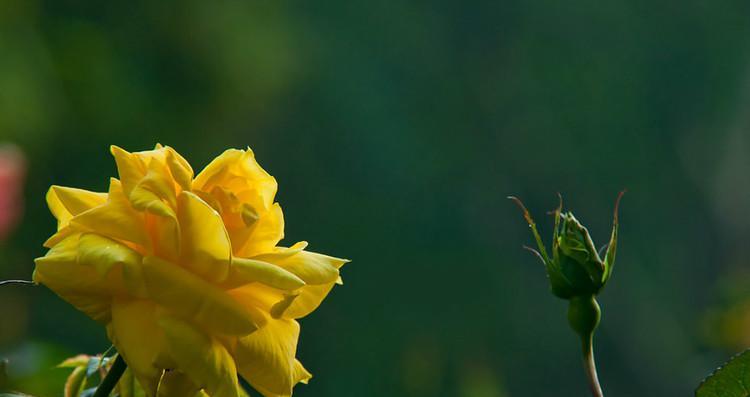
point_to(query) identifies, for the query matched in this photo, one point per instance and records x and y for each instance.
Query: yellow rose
(186, 274)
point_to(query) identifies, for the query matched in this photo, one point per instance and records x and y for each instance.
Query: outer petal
(309, 298)
(312, 267)
(114, 219)
(300, 374)
(80, 284)
(139, 340)
(206, 249)
(66, 202)
(244, 271)
(266, 358)
(202, 358)
(191, 297)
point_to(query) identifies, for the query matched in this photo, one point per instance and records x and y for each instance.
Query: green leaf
(730, 380)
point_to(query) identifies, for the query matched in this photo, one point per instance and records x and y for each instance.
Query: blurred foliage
(395, 130)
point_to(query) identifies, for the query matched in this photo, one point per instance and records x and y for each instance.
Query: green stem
(589, 365)
(26, 282)
(113, 376)
(583, 316)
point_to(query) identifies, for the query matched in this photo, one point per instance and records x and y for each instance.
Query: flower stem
(113, 376)
(589, 365)
(27, 282)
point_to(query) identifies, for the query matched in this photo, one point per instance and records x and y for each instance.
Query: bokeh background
(396, 130)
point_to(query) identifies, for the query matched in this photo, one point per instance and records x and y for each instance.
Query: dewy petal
(191, 297)
(205, 360)
(266, 358)
(311, 267)
(139, 340)
(206, 249)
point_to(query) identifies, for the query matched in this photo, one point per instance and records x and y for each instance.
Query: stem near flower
(583, 316)
(113, 376)
(589, 365)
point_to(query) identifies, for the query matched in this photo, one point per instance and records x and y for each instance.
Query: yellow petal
(66, 202)
(155, 191)
(202, 358)
(80, 285)
(165, 233)
(311, 267)
(176, 384)
(279, 309)
(180, 168)
(206, 249)
(258, 295)
(115, 219)
(309, 298)
(102, 253)
(139, 340)
(191, 297)
(149, 180)
(244, 271)
(264, 234)
(300, 374)
(266, 358)
(238, 171)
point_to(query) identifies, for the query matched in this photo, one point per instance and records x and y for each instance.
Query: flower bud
(576, 269)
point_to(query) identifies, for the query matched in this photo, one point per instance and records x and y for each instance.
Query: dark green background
(395, 130)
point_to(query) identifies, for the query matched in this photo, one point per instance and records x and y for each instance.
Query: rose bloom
(186, 274)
